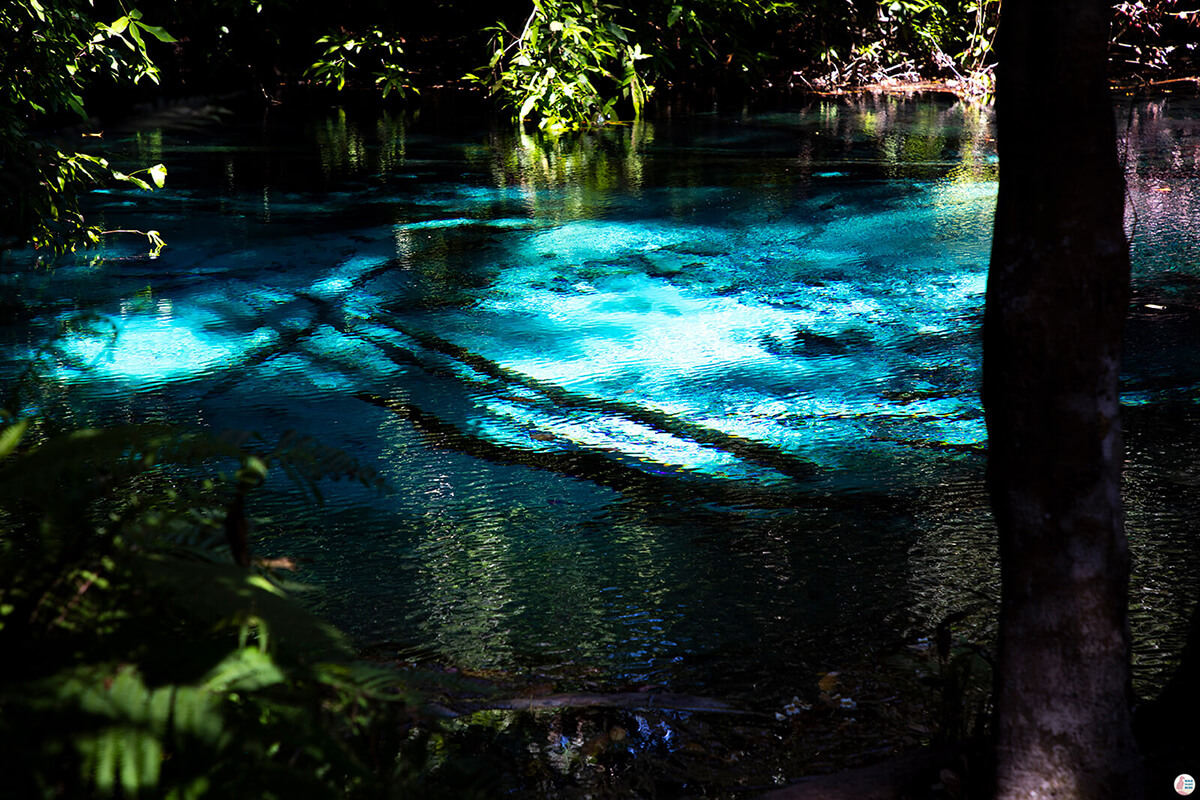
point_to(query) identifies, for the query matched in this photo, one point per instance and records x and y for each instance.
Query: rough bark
(1056, 300)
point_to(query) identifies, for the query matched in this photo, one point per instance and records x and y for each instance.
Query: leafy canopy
(51, 52)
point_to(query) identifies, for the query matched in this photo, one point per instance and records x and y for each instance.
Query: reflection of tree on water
(1161, 150)
(568, 177)
(627, 585)
(345, 149)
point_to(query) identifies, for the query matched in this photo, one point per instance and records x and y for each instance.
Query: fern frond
(365, 680)
(216, 596)
(126, 747)
(244, 670)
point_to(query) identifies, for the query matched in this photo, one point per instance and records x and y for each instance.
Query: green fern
(175, 671)
(122, 730)
(129, 752)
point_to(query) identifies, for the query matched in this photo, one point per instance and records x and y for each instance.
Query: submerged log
(582, 463)
(761, 453)
(639, 701)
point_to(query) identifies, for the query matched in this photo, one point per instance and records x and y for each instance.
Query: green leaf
(158, 174)
(244, 670)
(673, 17)
(75, 103)
(136, 181)
(10, 437)
(262, 583)
(527, 106)
(137, 36)
(105, 754)
(156, 243)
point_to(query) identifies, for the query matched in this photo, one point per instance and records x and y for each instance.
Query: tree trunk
(1056, 300)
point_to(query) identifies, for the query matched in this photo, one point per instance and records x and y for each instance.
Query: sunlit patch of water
(151, 346)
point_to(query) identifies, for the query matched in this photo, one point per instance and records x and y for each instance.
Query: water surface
(689, 402)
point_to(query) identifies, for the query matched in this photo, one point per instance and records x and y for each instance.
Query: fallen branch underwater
(760, 453)
(587, 464)
(640, 701)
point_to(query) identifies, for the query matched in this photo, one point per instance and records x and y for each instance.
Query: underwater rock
(817, 344)
(810, 343)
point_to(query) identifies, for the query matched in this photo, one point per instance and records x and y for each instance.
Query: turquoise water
(689, 402)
